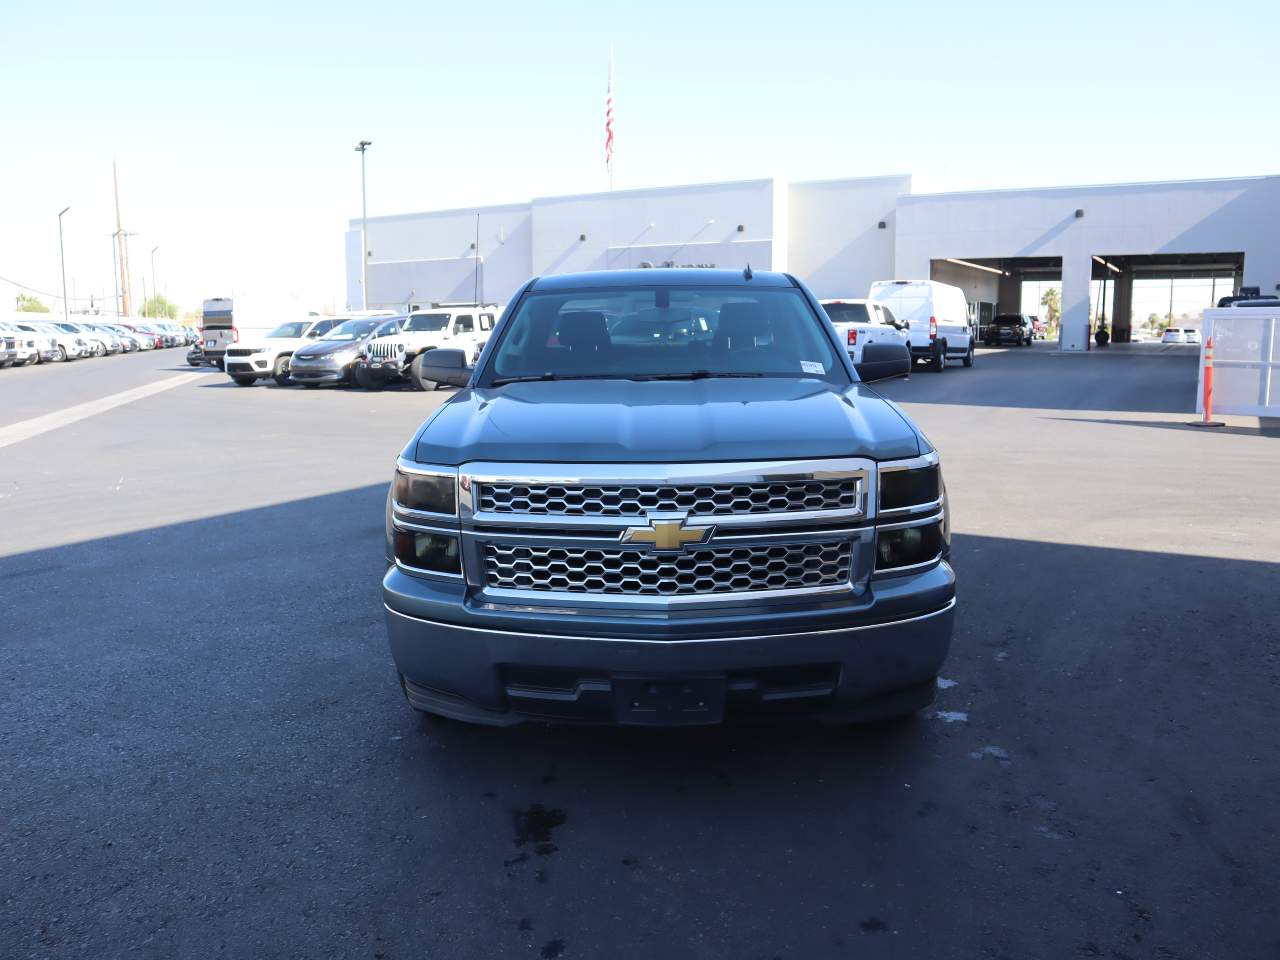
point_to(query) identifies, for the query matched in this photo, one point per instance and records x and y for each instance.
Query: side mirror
(446, 366)
(883, 360)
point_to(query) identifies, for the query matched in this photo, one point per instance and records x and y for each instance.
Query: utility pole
(62, 258)
(115, 260)
(361, 147)
(154, 288)
(124, 244)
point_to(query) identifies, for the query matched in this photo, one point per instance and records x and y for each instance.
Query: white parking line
(26, 429)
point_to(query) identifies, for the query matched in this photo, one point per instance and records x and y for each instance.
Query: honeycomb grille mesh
(704, 500)
(692, 573)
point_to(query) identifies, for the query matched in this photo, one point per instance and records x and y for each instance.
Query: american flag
(608, 117)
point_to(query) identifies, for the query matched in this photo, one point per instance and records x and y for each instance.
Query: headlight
(421, 499)
(425, 491)
(909, 546)
(428, 550)
(917, 485)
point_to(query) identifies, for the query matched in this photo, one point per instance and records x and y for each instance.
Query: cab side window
(464, 324)
(888, 317)
(486, 321)
(321, 328)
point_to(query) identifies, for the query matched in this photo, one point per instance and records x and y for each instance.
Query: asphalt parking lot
(205, 751)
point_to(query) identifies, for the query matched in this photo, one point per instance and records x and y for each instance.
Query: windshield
(291, 330)
(678, 332)
(351, 330)
(847, 312)
(426, 322)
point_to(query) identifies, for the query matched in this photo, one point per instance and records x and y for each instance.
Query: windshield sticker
(808, 366)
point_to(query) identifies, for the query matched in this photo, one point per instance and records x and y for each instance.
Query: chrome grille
(710, 570)
(385, 351)
(701, 500)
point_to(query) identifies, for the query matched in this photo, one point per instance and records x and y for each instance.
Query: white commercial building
(841, 235)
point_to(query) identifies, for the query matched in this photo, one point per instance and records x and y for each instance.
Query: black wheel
(242, 381)
(220, 364)
(367, 380)
(416, 377)
(939, 361)
(62, 354)
(968, 357)
(33, 359)
(195, 363)
(280, 372)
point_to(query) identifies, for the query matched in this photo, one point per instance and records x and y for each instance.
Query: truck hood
(622, 421)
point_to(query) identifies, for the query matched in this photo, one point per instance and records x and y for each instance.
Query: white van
(937, 315)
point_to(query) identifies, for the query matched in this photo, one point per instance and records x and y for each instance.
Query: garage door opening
(1006, 285)
(1138, 297)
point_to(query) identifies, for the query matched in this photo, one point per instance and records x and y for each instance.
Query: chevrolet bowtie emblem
(667, 535)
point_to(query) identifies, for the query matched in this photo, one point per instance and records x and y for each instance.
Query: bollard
(1208, 420)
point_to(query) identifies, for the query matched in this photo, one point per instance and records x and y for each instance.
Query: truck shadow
(216, 698)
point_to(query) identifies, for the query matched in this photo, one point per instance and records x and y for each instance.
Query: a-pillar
(1077, 271)
(1122, 319)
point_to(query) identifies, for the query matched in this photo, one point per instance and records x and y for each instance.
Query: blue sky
(234, 125)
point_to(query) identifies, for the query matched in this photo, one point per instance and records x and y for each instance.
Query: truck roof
(666, 276)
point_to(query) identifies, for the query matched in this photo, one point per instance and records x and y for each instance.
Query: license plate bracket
(668, 701)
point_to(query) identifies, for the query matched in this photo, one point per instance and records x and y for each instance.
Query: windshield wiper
(537, 377)
(696, 375)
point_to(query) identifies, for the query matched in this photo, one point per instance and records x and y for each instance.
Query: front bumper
(258, 365)
(304, 372)
(841, 662)
(387, 369)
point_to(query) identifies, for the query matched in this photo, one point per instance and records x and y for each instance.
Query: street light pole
(361, 147)
(62, 257)
(154, 288)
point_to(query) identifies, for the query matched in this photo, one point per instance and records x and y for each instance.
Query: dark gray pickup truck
(664, 497)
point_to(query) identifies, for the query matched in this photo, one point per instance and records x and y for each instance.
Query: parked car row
(27, 341)
(370, 351)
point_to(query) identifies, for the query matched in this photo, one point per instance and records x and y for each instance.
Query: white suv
(458, 327)
(247, 363)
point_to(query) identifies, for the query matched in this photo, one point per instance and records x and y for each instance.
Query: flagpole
(608, 121)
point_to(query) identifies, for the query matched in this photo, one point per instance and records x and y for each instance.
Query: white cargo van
(937, 315)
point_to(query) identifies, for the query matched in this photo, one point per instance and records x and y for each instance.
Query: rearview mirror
(883, 360)
(446, 366)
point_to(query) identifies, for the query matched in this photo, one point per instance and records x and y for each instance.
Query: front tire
(62, 354)
(939, 361)
(280, 372)
(968, 357)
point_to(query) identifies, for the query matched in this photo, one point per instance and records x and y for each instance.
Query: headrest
(584, 330)
(740, 324)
